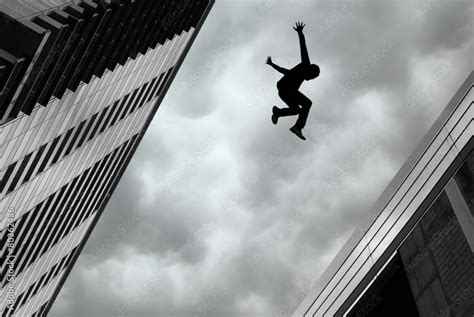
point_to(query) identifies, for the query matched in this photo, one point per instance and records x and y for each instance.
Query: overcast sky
(220, 213)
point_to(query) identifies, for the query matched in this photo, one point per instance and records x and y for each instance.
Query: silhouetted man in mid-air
(288, 85)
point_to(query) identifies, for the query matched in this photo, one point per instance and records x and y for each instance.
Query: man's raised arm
(304, 51)
(278, 68)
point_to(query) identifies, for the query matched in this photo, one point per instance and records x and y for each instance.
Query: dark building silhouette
(80, 82)
(414, 254)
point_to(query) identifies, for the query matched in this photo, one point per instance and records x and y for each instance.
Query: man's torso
(293, 79)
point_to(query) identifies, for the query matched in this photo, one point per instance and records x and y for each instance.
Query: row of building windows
(105, 90)
(44, 280)
(41, 228)
(152, 89)
(89, 38)
(85, 131)
(147, 92)
(41, 311)
(84, 40)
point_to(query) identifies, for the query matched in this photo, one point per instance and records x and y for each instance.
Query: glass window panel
(465, 180)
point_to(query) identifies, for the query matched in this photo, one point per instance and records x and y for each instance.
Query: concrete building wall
(439, 262)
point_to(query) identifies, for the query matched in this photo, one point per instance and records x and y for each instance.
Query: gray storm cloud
(237, 217)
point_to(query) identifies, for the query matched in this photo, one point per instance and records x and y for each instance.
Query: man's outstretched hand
(299, 27)
(269, 60)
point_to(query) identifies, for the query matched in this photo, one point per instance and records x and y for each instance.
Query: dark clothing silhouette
(294, 99)
(293, 79)
(288, 85)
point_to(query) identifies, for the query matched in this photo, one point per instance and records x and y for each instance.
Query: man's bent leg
(285, 112)
(305, 103)
(291, 99)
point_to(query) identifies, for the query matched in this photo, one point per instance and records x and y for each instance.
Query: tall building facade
(414, 254)
(80, 82)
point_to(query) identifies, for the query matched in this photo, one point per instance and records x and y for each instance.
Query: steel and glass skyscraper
(80, 82)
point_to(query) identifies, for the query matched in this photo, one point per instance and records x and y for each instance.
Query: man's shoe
(274, 115)
(298, 133)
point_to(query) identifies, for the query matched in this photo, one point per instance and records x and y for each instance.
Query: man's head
(313, 72)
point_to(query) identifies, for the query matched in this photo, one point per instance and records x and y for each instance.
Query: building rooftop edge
(387, 194)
